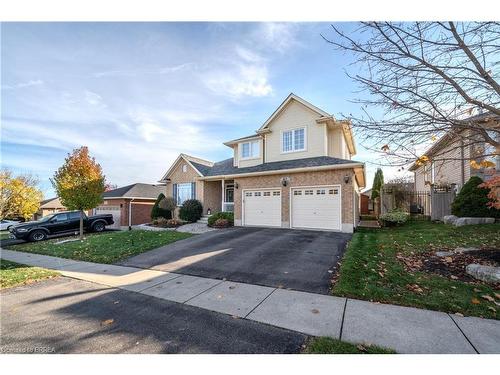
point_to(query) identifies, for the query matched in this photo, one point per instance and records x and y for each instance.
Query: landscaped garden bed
(389, 265)
(108, 247)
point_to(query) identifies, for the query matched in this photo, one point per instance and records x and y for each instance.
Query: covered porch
(218, 196)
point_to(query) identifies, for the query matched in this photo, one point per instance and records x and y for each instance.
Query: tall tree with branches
(421, 80)
(79, 182)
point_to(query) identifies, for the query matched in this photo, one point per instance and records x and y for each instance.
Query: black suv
(59, 223)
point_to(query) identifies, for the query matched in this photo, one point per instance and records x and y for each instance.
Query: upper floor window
(250, 150)
(294, 140)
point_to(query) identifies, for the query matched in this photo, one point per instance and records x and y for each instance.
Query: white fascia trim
(107, 199)
(285, 102)
(181, 156)
(281, 171)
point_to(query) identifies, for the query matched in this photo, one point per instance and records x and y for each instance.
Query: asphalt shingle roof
(225, 167)
(135, 190)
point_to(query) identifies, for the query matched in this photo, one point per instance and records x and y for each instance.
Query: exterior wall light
(236, 186)
(285, 180)
(347, 178)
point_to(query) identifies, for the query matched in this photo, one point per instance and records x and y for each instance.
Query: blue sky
(138, 94)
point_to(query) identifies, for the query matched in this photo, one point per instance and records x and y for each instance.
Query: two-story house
(294, 172)
(456, 157)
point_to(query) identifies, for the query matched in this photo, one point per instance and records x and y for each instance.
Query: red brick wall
(141, 210)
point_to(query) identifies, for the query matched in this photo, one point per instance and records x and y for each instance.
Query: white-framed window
(297, 192)
(276, 193)
(248, 194)
(308, 192)
(267, 194)
(250, 150)
(184, 192)
(293, 140)
(257, 194)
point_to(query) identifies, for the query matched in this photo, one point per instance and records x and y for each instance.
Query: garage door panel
(262, 208)
(113, 210)
(316, 207)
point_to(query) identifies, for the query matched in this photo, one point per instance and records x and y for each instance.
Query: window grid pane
(287, 141)
(299, 139)
(184, 192)
(245, 150)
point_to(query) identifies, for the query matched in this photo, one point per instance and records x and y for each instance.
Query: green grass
(108, 247)
(327, 345)
(14, 274)
(4, 234)
(373, 250)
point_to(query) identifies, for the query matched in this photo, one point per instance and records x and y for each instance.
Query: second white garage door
(113, 210)
(316, 207)
(262, 208)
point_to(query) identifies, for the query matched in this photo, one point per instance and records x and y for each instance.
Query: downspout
(462, 169)
(130, 214)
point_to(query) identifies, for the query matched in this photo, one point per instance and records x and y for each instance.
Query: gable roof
(138, 190)
(191, 160)
(51, 203)
(449, 135)
(285, 102)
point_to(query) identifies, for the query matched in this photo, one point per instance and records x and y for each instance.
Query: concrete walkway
(404, 329)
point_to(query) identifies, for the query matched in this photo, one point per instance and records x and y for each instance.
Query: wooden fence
(433, 204)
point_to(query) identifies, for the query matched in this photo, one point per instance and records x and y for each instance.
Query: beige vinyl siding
(295, 115)
(420, 178)
(337, 146)
(249, 162)
(449, 170)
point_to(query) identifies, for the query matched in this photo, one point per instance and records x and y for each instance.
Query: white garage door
(262, 208)
(316, 207)
(113, 210)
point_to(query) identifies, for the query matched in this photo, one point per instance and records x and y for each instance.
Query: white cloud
(143, 71)
(279, 36)
(93, 98)
(21, 85)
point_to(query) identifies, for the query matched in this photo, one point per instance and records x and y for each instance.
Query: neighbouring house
(49, 206)
(366, 203)
(130, 205)
(294, 172)
(453, 153)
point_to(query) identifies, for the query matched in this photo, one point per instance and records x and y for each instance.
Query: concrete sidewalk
(404, 329)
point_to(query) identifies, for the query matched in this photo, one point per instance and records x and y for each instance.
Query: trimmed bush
(472, 201)
(394, 217)
(191, 210)
(157, 211)
(229, 216)
(221, 223)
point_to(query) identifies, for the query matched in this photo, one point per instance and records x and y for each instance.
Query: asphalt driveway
(283, 258)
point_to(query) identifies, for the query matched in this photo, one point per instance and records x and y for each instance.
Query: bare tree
(421, 80)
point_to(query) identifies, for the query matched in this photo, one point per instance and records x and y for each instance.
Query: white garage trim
(335, 186)
(243, 191)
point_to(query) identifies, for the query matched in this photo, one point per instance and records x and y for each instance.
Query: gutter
(281, 171)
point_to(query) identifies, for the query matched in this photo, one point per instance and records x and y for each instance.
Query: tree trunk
(81, 225)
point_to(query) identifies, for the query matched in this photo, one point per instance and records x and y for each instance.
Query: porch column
(222, 202)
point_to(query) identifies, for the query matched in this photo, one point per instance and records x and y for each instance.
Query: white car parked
(6, 224)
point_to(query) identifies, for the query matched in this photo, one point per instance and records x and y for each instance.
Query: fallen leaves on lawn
(415, 288)
(475, 301)
(488, 298)
(107, 322)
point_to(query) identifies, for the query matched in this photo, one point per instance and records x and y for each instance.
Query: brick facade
(315, 178)
(141, 210)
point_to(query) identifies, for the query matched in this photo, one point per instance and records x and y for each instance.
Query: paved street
(404, 329)
(64, 315)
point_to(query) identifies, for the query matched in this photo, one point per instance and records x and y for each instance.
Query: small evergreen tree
(191, 210)
(157, 211)
(472, 201)
(378, 183)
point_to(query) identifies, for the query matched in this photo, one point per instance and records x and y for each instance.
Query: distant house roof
(226, 167)
(138, 190)
(51, 203)
(448, 136)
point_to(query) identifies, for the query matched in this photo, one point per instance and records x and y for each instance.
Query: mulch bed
(453, 266)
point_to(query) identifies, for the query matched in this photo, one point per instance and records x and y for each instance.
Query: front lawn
(327, 345)
(4, 234)
(372, 268)
(14, 274)
(107, 247)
